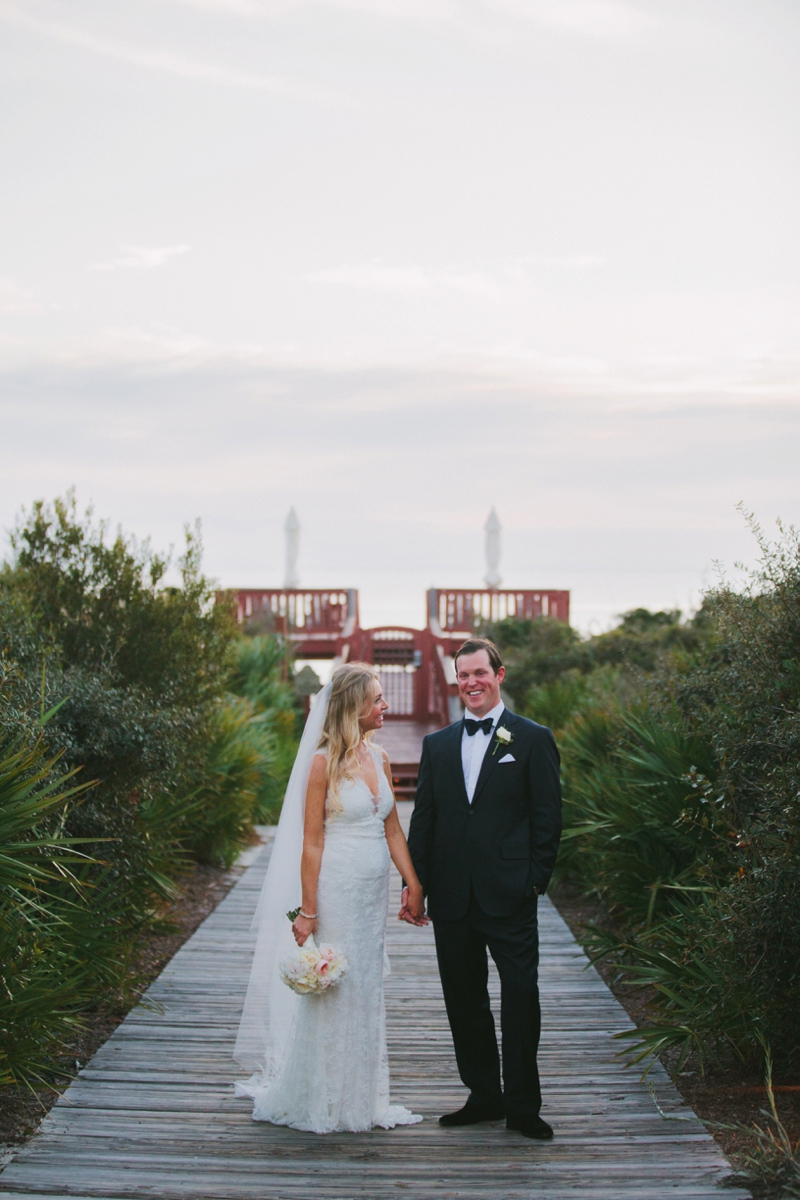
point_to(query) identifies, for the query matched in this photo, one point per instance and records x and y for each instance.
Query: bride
(320, 1060)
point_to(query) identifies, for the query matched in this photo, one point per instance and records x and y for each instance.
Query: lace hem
(248, 1087)
(254, 1089)
(397, 1115)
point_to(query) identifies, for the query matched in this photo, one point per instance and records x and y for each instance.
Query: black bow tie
(472, 727)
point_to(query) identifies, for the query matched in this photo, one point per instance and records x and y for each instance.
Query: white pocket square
(506, 758)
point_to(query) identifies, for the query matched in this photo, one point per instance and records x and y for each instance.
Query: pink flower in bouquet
(313, 970)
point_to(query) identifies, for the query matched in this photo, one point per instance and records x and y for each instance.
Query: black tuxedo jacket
(504, 844)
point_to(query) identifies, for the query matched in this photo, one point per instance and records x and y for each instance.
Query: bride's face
(372, 716)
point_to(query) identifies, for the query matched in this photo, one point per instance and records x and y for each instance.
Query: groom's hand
(412, 914)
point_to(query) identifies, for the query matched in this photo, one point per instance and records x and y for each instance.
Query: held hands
(412, 907)
(302, 928)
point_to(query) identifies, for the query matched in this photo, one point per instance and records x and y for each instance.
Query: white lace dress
(336, 1072)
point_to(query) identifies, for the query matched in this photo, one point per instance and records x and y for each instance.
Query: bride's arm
(398, 849)
(313, 841)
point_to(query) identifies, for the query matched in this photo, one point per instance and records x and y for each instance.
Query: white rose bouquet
(312, 969)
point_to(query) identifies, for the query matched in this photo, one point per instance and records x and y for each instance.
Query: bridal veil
(269, 1005)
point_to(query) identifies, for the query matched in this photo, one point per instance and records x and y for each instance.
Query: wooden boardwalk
(402, 741)
(153, 1115)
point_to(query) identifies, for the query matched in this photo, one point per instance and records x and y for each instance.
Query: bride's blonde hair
(352, 690)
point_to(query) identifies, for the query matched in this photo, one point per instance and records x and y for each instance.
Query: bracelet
(308, 916)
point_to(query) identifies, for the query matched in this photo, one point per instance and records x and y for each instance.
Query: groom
(483, 839)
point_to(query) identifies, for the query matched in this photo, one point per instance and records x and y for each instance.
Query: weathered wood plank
(153, 1114)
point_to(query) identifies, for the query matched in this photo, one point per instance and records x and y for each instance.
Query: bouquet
(313, 970)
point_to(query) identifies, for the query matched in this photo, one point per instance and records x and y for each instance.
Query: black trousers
(513, 943)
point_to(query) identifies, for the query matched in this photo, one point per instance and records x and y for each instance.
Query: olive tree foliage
(553, 673)
(140, 669)
(101, 602)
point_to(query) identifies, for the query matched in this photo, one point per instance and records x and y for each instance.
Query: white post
(492, 527)
(291, 528)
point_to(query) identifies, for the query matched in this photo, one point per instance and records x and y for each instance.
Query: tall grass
(774, 1159)
(44, 981)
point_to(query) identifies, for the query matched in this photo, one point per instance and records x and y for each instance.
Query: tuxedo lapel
(454, 763)
(492, 755)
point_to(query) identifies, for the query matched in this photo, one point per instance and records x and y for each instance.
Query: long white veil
(269, 1005)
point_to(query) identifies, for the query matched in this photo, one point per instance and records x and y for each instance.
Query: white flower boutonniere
(502, 737)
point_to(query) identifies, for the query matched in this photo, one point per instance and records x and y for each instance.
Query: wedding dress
(334, 1069)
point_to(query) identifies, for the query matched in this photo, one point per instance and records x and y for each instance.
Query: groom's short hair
(473, 645)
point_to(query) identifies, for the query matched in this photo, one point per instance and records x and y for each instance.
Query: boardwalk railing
(415, 664)
(463, 610)
(315, 620)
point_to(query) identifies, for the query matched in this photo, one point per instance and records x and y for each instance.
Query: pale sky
(397, 261)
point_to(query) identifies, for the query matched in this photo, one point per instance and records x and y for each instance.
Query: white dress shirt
(473, 749)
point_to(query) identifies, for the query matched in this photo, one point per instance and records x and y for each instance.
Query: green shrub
(141, 671)
(227, 804)
(43, 902)
(285, 728)
(136, 675)
(639, 824)
(103, 605)
(261, 677)
(185, 731)
(681, 772)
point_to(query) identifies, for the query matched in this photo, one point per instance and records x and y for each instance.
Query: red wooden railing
(442, 693)
(462, 610)
(398, 657)
(315, 610)
(314, 619)
(415, 664)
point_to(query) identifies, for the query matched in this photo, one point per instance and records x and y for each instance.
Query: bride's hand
(412, 906)
(302, 928)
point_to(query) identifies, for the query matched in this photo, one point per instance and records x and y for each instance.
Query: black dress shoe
(532, 1127)
(473, 1114)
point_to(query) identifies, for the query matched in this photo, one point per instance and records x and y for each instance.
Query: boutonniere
(502, 737)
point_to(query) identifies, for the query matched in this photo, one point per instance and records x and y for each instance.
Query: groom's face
(478, 685)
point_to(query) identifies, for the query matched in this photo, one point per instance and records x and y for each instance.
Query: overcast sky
(397, 261)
